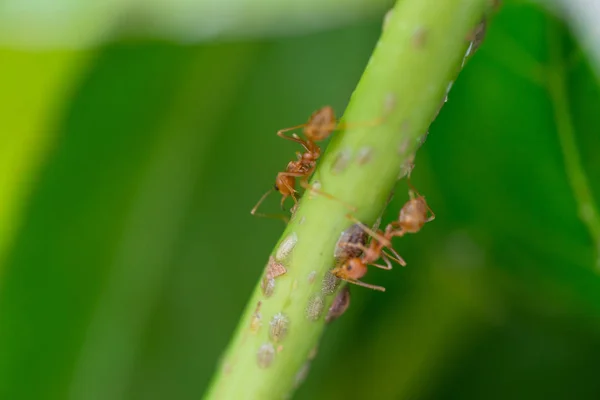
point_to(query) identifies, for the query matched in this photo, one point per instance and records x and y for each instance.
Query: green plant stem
(557, 88)
(418, 55)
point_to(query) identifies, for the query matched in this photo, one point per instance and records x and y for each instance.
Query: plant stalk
(418, 56)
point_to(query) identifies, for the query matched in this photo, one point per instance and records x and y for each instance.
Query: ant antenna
(276, 216)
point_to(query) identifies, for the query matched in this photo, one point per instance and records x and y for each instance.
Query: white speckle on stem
(286, 246)
(265, 355)
(341, 161)
(364, 155)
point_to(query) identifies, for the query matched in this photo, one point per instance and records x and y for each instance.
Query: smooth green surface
(557, 88)
(25, 141)
(499, 300)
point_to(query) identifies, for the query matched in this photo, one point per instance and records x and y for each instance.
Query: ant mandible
(413, 215)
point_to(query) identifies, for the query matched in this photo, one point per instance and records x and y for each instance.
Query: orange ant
(319, 126)
(354, 268)
(413, 215)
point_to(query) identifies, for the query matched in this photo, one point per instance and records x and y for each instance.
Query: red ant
(319, 126)
(413, 215)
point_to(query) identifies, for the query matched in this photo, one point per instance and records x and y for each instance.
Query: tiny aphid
(339, 306)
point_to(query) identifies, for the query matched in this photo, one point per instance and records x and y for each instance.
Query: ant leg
(304, 183)
(293, 138)
(360, 283)
(412, 190)
(390, 232)
(363, 284)
(381, 266)
(264, 196)
(387, 203)
(396, 229)
(385, 258)
(396, 256)
(282, 202)
(432, 216)
(381, 239)
(355, 245)
(334, 126)
(411, 193)
(294, 175)
(309, 146)
(291, 190)
(365, 124)
(297, 139)
(370, 232)
(388, 264)
(293, 198)
(282, 217)
(277, 216)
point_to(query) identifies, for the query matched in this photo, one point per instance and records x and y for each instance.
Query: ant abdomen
(321, 123)
(413, 215)
(345, 247)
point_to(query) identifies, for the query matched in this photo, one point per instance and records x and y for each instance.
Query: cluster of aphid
(353, 253)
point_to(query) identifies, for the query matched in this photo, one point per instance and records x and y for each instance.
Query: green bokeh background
(128, 251)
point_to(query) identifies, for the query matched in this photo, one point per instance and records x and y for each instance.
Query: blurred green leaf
(72, 23)
(127, 177)
(104, 217)
(510, 294)
(582, 17)
(27, 123)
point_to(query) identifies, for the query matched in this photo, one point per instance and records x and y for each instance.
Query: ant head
(353, 268)
(285, 184)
